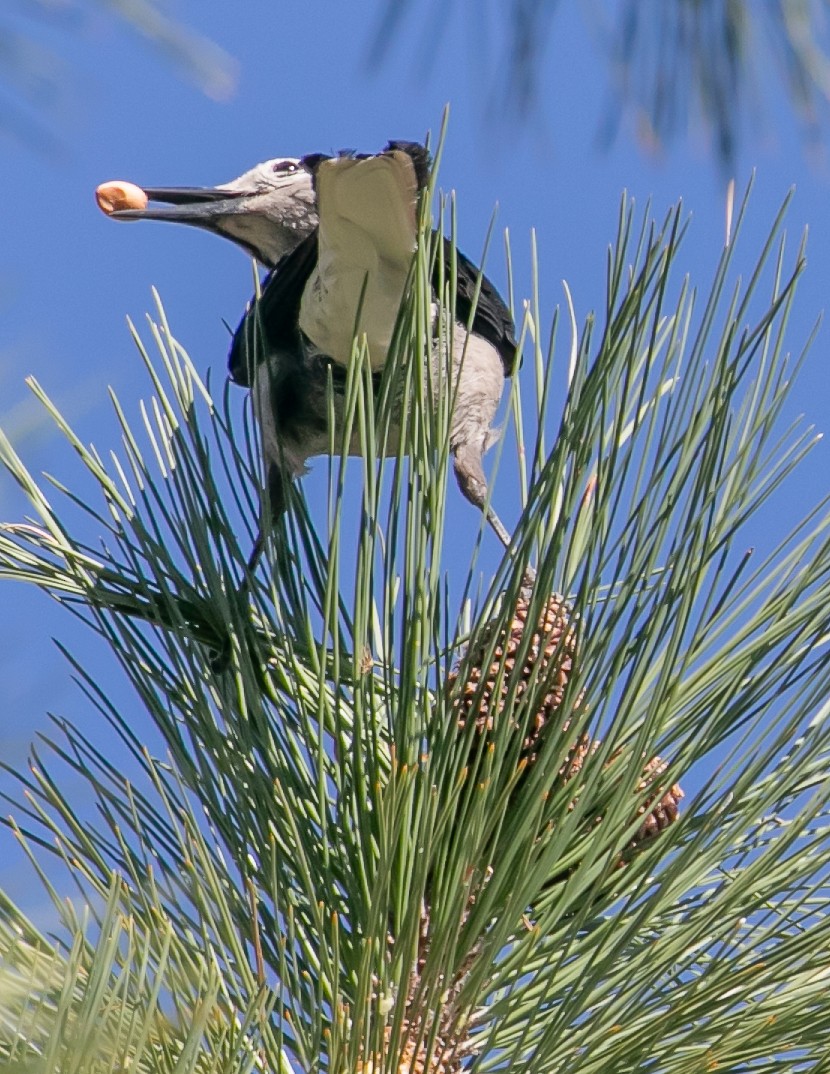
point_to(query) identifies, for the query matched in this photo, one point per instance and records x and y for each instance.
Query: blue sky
(68, 276)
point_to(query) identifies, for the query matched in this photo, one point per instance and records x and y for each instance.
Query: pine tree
(405, 824)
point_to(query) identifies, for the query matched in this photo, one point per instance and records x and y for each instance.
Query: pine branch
(397, 826)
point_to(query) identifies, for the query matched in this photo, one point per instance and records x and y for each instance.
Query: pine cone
(548, 663)
(661, 808)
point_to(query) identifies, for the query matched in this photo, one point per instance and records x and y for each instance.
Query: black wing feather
(492, 319)
(272, 323)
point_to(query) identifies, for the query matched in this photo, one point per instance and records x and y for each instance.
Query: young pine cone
(411, 1062)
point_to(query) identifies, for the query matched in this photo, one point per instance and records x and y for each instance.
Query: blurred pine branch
(671, 66)
(400, 827)
(34, 77)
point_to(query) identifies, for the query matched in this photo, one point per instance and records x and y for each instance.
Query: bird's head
(267, 210)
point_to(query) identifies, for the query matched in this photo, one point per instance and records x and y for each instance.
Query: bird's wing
(367, 207)
(270, 323)
(492, 319)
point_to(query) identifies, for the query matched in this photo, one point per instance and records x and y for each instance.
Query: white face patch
(271, 175)
(277, 211)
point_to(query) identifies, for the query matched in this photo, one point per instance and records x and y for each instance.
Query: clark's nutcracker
(339, 234)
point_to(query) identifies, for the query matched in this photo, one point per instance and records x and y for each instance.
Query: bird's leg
(469, 474)
(273, 505)
(471, 480)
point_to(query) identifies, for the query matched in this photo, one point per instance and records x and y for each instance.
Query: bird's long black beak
(185, 204)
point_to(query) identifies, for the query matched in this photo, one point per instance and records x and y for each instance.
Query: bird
(352, 272)
(339, 234)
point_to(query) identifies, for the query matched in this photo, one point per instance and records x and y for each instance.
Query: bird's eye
(284, 167)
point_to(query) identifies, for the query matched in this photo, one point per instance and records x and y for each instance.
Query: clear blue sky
(68, 276)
